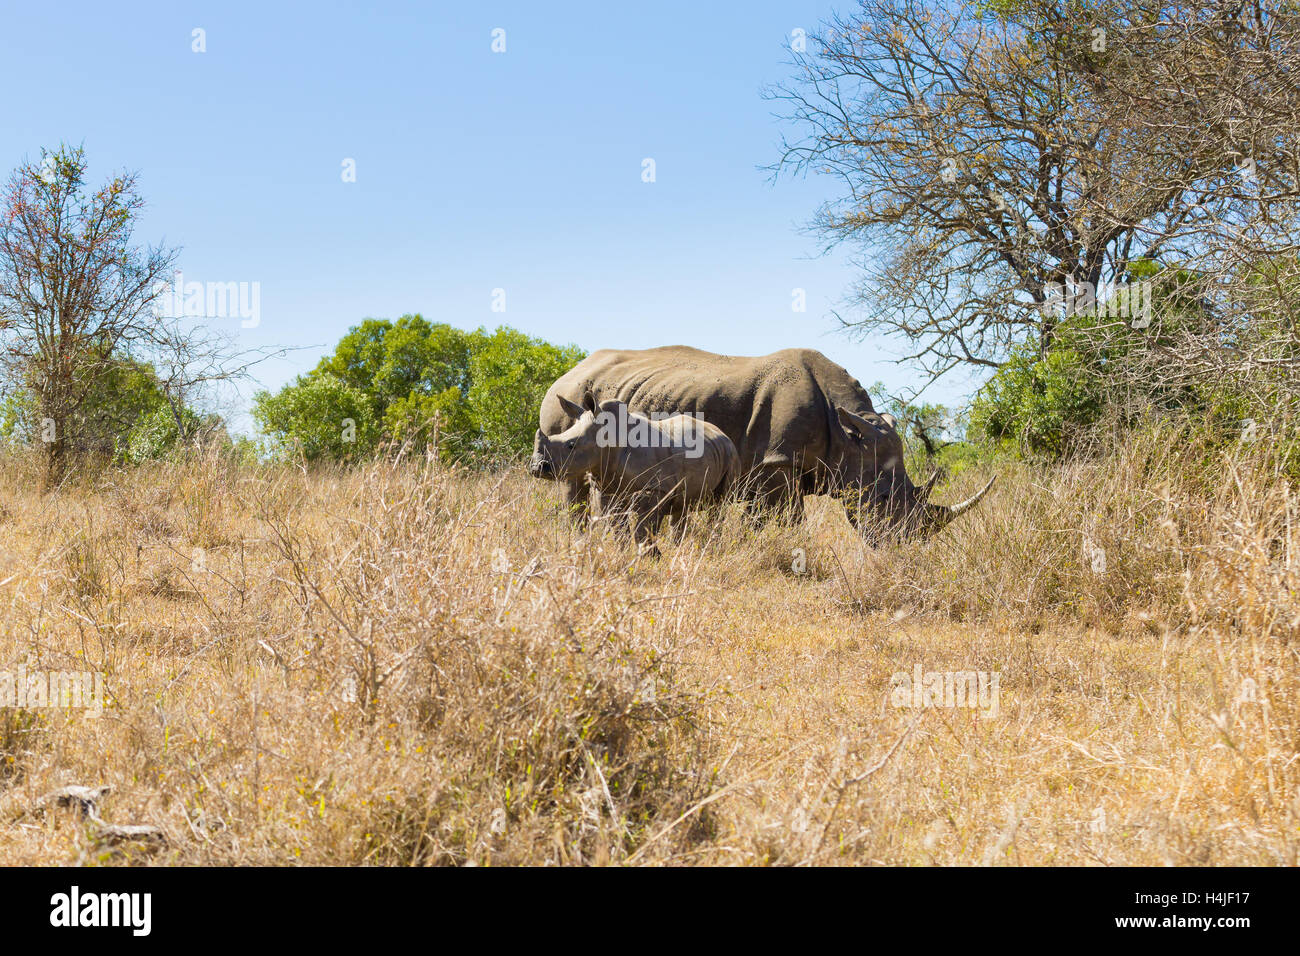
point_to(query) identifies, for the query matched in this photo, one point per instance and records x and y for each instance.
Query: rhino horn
(942, 514)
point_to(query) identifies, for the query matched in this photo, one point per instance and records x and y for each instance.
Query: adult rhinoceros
(801, 424)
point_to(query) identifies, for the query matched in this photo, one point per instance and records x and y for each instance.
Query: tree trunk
(56, 455)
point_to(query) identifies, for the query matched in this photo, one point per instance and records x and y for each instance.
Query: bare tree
(995, 154)
(1211, 88)
(78, 310)
(75, 293)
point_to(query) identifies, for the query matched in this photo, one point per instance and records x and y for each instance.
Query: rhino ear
(570, 409)
(889, 420)
(853, 424)
(589, 401)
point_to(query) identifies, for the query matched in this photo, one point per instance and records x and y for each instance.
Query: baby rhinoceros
(642, 467)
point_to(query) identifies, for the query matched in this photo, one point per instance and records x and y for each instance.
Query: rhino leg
(646, 512)
(677, 509)
(773, 489)
(575, 500)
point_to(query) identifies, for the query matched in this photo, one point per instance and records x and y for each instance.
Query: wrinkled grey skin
(681, 463)
(800, 423)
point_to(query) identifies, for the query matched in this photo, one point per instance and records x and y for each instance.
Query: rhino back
(775, 408)
(666, 463)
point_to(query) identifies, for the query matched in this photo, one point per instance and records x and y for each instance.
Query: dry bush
(1147, 696)
(406, 663)
(392, 665)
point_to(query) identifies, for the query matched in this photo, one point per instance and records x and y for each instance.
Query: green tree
(509, 374)
(321, 416)
(76, 293)
(1109, 359)
(404, 380)
(1039, 405)
(390, 360)
(158, 433)
(126, 415)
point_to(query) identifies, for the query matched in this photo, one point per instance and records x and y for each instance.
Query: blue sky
(475, 170)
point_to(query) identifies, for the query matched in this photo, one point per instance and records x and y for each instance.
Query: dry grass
(407, 664)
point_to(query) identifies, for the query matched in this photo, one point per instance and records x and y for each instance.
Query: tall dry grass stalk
(410, 664)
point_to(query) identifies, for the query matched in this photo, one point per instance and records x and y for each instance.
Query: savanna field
(410, 663)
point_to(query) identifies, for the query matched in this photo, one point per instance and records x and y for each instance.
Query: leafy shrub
(474, 394)
(1101, 364)
(322, 415)
(127, 417)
